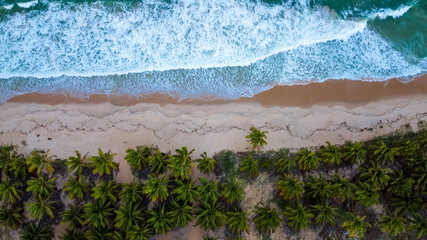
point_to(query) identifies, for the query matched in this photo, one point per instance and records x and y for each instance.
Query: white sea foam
(8, 7)
(27, 4)
(387, 12)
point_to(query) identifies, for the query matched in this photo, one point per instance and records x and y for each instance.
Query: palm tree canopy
(208, 190)
(138, 158)
(324, 213)
(10, 192)
(205, 164)
(156, 187)
(159, 219)
(409, 202)
(77, 163)
(298, 216)
(419, 224)
(366, 194)
(238, 220)
(182, 213)
(40, 161)
(355, 152)
(356, 225)
(267, 218)
(19, 168)
(73, 215)
(384, 154)
(11, 217)
(232, 190)
(8, 155)
(72, 234)
(41, 187)
(376, 175)
(284, 165)
(139, 232)
(98, 214)
(181, 164)
(210, 215)
(41, 206)
(331, 154)
(393, 224)
(342, 188)
(318, 188)
(132, 192)
(290, 188)
(186, 191)
(106, 191)
(103, 163)
(127, 216)
(36, 232)
(159, 162)
(76, 187)
(250, 166)
(307, 160)
(256, 137)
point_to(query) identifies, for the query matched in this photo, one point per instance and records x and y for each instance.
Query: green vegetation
(372, 190)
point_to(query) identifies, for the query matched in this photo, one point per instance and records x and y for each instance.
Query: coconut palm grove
(374, 190)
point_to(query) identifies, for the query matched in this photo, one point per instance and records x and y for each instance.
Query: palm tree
(284, 165)
(385, 154)
(41, 206)
(342, 187)
(10, 191)
(356, 225)
(307, 160)
(156, 187)
(419, 224)
(324, 213)
(250, 166)
(208, 190)
(139, 158)
(127, 216)
(181, 164)
(103, 163)
(11, 217)
(98, 214)
(366, 194)
(210, 215)
(355, 152)
(318, 188)
(409, 149)
(376, 175)
(331, 155)
(77, 163)
(232, 191)
(407, 202)
(76, 187)
(132, 192)
(40, 161)
(204, 164)
(393, 224)
(298, 216)
(139, 232)
(73, 216)
(7, 156)
(106, 191)
(399, 183)
(238, 220)
(41, 187)
(100, 233)
(182, 213)
(19, 168)
(266, 219)
(36, 232)
(185, 191)
(256, 137)
(159, 219)
(290, 188)
(159, 162)
(72, 234)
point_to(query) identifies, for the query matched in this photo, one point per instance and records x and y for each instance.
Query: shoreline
(344, 92)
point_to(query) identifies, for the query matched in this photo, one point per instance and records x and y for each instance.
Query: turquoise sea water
(220, 48)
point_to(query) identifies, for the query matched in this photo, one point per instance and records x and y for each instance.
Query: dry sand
(294, 116)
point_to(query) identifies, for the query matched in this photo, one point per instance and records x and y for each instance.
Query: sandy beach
(294, 116)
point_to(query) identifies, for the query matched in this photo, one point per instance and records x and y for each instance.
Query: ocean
(199, 48)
